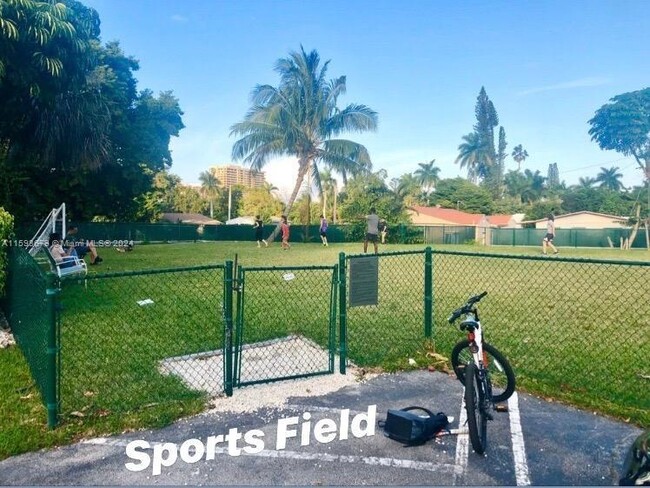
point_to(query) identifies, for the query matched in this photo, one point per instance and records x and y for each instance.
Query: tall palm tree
(428, 175)
(519, 154)
(475, 155)
(209, 186)
(610, 179)
(300, 118)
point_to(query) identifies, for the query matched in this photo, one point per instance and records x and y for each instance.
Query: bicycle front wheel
(475, 404)
(502, 377)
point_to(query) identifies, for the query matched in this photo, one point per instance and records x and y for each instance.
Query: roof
(244, 220)
(448, 214)
(188, 218)
(582, 212)
(499, 220)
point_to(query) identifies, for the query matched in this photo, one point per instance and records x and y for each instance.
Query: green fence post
(51, 393)
(428, 292)
(342, 314)
(227, 337)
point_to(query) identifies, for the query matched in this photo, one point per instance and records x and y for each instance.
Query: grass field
(575, 331)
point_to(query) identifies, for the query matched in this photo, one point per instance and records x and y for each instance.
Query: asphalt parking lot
(534, 443)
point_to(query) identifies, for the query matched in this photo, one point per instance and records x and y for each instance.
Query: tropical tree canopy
(428, 175)
(624, 126)
(300, 118)
(519, 154)
(610, 179)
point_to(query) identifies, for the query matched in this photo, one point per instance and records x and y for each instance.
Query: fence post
(343, 352)
(428, 292)
(51, 393)
(227, 337)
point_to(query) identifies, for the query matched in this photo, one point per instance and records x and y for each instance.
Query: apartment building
(237, 175)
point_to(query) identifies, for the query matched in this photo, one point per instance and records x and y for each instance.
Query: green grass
(574, 331)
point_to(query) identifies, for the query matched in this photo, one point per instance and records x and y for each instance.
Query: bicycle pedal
(501, 407)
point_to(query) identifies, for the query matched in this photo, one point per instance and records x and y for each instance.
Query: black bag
(413, 429)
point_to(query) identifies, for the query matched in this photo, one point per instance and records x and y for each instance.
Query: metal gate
(284, 323)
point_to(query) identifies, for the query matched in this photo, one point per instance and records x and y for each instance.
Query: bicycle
(476, 364)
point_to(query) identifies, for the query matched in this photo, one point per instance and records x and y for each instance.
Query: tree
(300, 118)
(210, 187)
(475, 156)
(72, 125)
(499, 168)
(259, 201)
(519, 154)
(610, 179)
(428, 175)
(534, 189)
(586, 182)
(460, 194)
(553, 176)
(624, 126)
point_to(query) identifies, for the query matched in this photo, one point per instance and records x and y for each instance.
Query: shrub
(6, 233)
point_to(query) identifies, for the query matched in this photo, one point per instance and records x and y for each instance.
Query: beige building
(583, 220)
(232, 174)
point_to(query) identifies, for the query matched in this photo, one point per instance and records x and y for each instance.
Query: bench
(68, 266)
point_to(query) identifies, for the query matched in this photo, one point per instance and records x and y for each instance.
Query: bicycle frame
(475, 336)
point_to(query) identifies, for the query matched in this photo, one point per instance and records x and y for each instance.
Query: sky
(547, 66)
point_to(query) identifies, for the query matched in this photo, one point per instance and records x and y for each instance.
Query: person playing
(372, 230)
(60, 254)
(259, 229)
(284, 228)
(383, 230)
(81, 246)
(550, 234)
(323, 230)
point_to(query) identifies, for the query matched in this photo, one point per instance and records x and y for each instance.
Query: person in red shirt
(284, 227)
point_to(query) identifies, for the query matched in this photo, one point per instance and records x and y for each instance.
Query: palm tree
(427, 175)
(300, 118)
(534, 189)
(610, 179)
(519, 154)
(270, 188)
(586, 182)
(475, 155)
(209, 186)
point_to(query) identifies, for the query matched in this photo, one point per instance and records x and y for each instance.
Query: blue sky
(546, 65)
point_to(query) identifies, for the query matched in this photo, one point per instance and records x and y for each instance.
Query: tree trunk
(635, 228)
(303, 166)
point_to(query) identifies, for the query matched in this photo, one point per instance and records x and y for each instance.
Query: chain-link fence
(567, 237)
(32, 315)
(576, 330)
(572, 329)
(286, 320)
(391, 323)
(142, 338)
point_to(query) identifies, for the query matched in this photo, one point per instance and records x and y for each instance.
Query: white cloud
(567, 85)
(179, 18)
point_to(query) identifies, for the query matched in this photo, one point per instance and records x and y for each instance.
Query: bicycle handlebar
(466, 308)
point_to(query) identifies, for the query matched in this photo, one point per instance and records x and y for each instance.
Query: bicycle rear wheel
(502, 377)
(474, 403)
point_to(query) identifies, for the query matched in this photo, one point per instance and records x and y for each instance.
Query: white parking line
(518, 447)
(462, 445)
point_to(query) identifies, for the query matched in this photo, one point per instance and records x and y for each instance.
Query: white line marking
(518, 447)
(462, 444)
(311, 456)
(307, 408)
